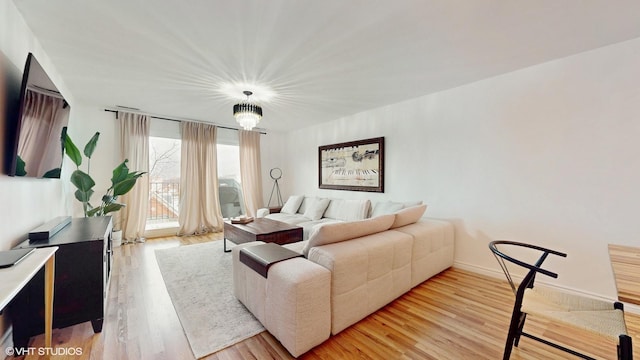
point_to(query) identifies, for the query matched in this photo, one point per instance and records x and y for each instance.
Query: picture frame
(353, 166)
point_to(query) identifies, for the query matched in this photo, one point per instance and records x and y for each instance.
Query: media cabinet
(82, 269)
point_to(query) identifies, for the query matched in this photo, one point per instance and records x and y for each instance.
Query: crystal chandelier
(248, 115)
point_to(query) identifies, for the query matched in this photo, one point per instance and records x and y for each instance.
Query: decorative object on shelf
(275, 174)
(241, 220)
(122, 180)
(356, 165)
(50, 228)
(247, 114)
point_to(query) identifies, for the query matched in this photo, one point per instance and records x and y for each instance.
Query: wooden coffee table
(261, 229)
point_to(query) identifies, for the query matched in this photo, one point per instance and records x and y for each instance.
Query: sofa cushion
(391, 207)
(297, 246)
(388, 207)
(408, 216)
(341, 231)
(433, 247)
(412, 203)
(333, 210)
(316, 208)
(306, 200)
(292, 204)
(291, 219)
(309, 225)
(351, 210)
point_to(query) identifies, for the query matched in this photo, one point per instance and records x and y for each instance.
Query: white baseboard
(495, 273)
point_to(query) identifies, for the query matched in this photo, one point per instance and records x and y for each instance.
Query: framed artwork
(355, 165)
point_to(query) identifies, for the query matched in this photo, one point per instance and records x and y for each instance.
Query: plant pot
(116, 238)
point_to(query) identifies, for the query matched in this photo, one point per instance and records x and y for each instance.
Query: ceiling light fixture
(247, 114)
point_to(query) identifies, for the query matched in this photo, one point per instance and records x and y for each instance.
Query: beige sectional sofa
(350, 270)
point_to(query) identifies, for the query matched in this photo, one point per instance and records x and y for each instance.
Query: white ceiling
(306, 61)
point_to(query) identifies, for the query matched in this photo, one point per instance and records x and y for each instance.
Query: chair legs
(625, 349)
(523, 317)
(515, 330)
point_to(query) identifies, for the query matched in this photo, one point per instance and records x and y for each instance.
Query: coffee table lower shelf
(261, 229)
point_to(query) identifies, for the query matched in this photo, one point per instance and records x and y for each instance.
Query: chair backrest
(528, 280)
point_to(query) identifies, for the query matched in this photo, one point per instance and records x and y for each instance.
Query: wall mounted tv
(34, 134)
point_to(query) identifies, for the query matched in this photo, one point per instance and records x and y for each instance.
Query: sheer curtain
(199, 206)
(250, 170)
(134, 136)
(41, 128)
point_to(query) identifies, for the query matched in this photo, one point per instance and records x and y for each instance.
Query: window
(164, 175)
(164, 183)
(229, 186)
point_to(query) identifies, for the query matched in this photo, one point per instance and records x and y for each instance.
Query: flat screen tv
(35, 133)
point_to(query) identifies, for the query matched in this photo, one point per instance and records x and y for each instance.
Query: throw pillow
(336, 232)
(408, 216)
(412, 203)
(316, 209)
(351, 210)
(304, 204)
(292, 204)
(383, 208)
(333, 210)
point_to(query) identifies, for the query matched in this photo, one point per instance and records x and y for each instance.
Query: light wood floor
(455, 315)
(625, 261)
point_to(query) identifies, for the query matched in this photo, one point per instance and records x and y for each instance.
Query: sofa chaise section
(351, 270)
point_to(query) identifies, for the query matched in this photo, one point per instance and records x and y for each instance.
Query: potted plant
(122, 180)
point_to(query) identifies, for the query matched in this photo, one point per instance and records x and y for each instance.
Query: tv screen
(38, 129)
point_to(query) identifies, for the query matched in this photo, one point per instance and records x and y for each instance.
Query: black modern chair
(600, 317)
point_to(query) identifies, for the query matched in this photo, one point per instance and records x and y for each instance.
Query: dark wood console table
(83, 266)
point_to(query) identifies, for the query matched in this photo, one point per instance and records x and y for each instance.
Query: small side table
(14, 278)
(274, 209)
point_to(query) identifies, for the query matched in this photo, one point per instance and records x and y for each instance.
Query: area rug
(200, 283)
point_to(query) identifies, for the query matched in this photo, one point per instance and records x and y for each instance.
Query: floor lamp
(275, 174)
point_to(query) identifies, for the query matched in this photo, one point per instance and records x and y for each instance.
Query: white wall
(26, 203)
(272, 151)
(546, 155)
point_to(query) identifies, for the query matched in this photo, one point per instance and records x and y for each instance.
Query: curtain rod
(177, 120)
(48, 92)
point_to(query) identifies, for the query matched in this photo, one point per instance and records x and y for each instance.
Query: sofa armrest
(298, 299)
(248, 286)
(262, 212)
(293, 303)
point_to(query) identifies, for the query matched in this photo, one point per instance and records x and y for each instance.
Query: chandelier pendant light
(247, 114)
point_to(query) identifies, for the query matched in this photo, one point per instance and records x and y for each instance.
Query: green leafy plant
(122, 180)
